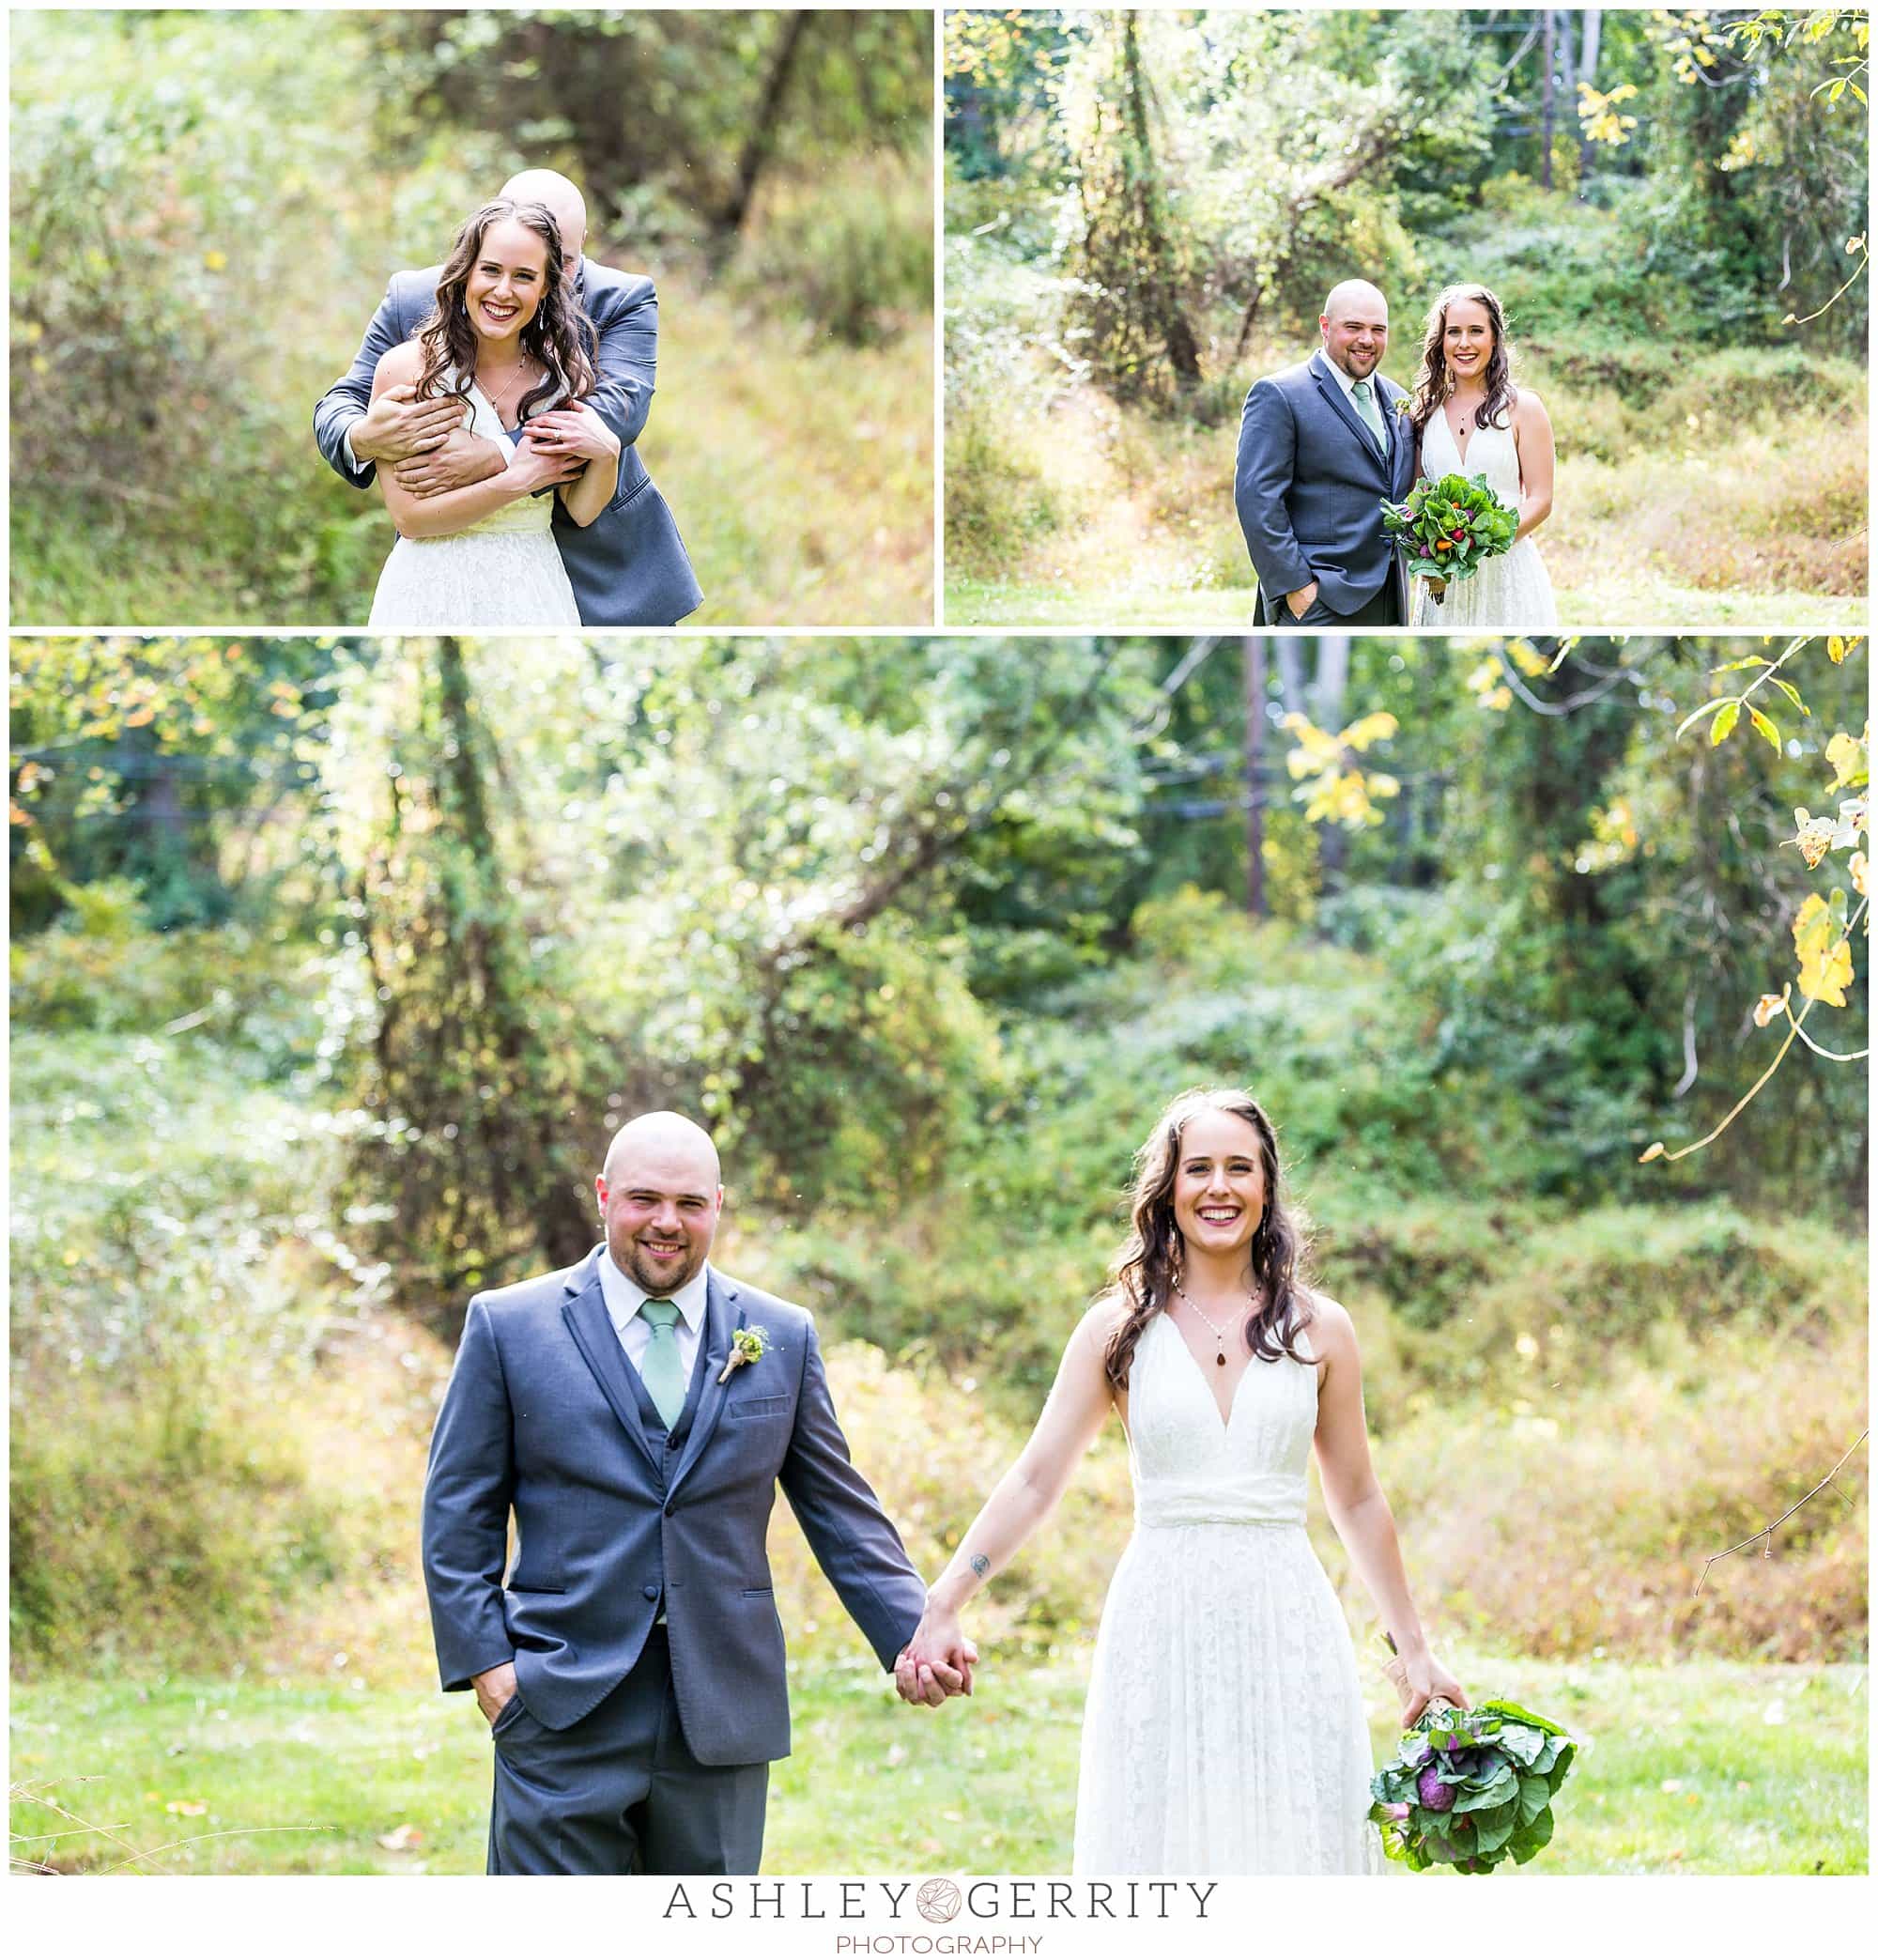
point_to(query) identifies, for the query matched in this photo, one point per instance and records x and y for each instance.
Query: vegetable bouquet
(1471, 1788)
(1448, 525)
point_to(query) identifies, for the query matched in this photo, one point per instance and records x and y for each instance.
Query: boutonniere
(748, 1344)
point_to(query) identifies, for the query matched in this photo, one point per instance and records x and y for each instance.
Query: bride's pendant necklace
(500, 402)
(1219, 1333)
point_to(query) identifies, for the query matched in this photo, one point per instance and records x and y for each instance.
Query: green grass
(1636, 599)
(1704, 1768)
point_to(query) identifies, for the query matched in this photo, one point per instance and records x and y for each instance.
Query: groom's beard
(661, 1281)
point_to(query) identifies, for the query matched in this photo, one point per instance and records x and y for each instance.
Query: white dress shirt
(624, 1297)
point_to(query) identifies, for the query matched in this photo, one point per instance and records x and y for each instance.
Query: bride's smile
(504, 291)
(1218, 1190)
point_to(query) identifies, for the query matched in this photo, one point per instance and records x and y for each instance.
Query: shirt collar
(624, 1296)
(1344, 380)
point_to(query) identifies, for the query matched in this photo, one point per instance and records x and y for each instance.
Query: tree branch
(1767, 1530)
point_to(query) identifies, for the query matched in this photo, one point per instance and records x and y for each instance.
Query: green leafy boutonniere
(748, 1344)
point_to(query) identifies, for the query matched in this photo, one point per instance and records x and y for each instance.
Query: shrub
(854, 255)
(155, 1527)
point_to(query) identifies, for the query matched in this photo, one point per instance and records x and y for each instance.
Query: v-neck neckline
(1232, 1400)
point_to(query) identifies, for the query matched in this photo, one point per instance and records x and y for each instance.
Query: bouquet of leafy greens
(1471, 1788)
(1449, 524)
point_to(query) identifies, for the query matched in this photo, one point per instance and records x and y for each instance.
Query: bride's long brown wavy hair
(1434, 383)
(557, 337)
(1148, 1263)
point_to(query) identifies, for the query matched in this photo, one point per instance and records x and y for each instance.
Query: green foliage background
(206, 207)
(1114, 286)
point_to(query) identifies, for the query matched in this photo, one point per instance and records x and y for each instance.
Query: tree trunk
(1588, 52)
(1254, 774)
(1547, 109)
(759, 144)
(1291, 677)
(1176, 336)
(492, 942)
(1333, 682)
(1327, 710)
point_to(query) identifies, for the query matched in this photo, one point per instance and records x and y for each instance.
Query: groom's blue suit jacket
(628, 567)
(1310, 485)
(544, 1417)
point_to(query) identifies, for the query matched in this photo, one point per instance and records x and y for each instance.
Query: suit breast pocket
(757, 1405)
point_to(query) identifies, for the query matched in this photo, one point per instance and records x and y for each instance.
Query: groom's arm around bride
(629, 566)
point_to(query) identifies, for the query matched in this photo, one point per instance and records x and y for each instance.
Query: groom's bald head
(563, 199)
(1355, 326)
(660, 1196)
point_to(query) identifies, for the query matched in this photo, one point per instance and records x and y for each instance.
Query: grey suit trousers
(619, 1791)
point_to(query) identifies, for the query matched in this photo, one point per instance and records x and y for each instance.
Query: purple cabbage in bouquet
(1471, 1788)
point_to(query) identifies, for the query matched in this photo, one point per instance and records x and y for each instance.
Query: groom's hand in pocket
(495, 1689)
(1300, 601)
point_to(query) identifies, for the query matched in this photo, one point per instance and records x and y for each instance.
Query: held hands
(398, 425)
(495, 1689)
(936, 1662)
(574, 432)
(544, 465)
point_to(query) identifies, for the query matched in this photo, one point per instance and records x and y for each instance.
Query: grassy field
(1140, 607)
(800, 474)
(1703, 1768)
(1065, 508)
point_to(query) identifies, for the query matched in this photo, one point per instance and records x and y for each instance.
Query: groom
(636, 1413)
(628, 567)
(1319, 448)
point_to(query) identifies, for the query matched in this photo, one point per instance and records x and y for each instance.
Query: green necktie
(662, 1371)
(1372, 415)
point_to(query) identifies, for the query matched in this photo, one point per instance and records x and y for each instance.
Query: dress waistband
(1273, 1498)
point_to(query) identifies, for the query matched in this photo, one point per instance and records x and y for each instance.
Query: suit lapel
(1329, 389)
(584, 1309)
(721, 1314)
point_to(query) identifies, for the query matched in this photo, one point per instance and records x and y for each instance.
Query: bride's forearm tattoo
(980, 1563)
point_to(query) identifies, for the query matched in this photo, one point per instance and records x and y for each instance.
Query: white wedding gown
(1510, 593)
(503, 570)
(1225, 1730)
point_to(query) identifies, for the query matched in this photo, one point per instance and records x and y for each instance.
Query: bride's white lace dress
(1510, 593)
(503, 570)
(1225, 1730)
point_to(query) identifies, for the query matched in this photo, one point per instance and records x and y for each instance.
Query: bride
(1224, 1728)
(1470, 419)
(505, 337)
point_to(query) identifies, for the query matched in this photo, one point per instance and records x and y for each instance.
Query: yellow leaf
(1769, 1005)
(1372, 728)
(1860, 873)
(1813, 835)
(1825, 954)
(1848, 756)
(1723, 725)
(1837, 649)
(215, 261)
